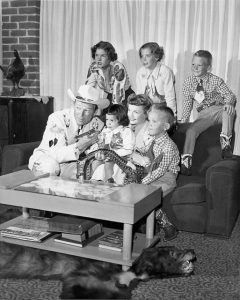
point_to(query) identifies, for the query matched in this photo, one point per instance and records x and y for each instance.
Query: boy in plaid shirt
(214, 102)
(162, 163)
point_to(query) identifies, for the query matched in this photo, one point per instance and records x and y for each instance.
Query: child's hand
(229, 109)
(99, 155)
(131, 165)
(140, 160)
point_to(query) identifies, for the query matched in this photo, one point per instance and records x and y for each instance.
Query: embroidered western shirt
(59, 138)
(215, 92)
(118, 80)
(165, 146)
(157, 84)
(121, 140)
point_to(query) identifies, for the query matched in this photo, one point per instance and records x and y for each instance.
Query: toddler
(116, 136)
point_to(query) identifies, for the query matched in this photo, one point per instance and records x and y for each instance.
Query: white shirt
(59, 138)
(160, 80)
(121, 140)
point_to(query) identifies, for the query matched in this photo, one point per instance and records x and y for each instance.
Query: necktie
(200, 86)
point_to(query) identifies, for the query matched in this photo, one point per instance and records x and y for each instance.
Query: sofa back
(207, 149)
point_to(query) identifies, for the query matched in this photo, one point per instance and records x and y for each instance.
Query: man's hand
(86, 141)
(229, 109)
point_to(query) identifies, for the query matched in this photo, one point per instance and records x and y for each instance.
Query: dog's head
(164, 262)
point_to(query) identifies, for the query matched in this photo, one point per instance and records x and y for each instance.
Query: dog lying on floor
(84, 278)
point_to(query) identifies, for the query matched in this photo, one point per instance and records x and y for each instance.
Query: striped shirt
(215, 91)
(165, 146)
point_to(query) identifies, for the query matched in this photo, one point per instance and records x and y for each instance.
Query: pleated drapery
(69, 28)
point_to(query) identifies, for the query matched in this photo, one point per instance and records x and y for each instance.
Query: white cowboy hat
(89, 94)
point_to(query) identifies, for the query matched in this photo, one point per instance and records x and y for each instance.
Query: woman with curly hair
(154, 78)
(109, 75)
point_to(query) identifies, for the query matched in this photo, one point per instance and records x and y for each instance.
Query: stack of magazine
(112, 241)
(32, 229)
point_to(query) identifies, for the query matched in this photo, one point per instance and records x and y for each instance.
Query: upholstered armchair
(208, 201)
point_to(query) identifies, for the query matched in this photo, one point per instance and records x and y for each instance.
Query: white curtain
(70, 27)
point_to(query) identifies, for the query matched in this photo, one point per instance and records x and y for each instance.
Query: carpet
(216, 276)
(20, 289)
(217, 273)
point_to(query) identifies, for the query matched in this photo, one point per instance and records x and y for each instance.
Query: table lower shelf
(91, 250)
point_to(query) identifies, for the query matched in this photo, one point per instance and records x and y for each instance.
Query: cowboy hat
(89, 94)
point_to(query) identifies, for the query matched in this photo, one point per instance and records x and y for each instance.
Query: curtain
(69, 28)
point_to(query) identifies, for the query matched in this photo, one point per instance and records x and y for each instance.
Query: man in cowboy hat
(62, 141)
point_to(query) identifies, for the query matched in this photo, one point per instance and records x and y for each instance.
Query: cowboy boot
(186, 164)
(170, 231)
(226, 146)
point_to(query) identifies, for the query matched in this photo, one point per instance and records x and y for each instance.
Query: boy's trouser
(206, 118)
(167, 182)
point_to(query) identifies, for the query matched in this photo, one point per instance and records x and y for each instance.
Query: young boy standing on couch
(214, 103)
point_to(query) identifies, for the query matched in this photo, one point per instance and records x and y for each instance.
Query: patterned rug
(217, 274)
(18, 289)
(217, 271)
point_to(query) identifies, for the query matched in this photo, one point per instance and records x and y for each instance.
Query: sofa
(206, 202)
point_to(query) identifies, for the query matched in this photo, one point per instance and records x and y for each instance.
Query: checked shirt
(215, 91)
(164, 145)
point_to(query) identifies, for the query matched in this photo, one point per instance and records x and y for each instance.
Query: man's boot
(225, 142)
(186, 164)
(170, 231)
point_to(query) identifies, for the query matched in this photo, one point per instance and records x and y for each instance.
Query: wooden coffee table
(126, 205)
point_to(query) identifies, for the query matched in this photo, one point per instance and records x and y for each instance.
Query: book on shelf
(76, 240)
(112, 241)
(70, 224)
(34, 229)
(96, 230)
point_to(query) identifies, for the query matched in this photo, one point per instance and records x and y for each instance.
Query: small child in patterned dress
(116, 136)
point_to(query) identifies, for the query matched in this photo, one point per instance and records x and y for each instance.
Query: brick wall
(20, 30)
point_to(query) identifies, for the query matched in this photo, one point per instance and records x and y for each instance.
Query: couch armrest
(16, 155)
(223, 189)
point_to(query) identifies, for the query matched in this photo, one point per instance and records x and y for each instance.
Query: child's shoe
(170, 231)
(226, 146)
(186, 164)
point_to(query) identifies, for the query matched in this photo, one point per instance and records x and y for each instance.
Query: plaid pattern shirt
(215, 91)
(165, 146)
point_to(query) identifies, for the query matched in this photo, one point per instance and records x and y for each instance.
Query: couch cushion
(16, 155)
(190, 190)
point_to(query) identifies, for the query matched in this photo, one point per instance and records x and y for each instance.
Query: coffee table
(125, 205)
